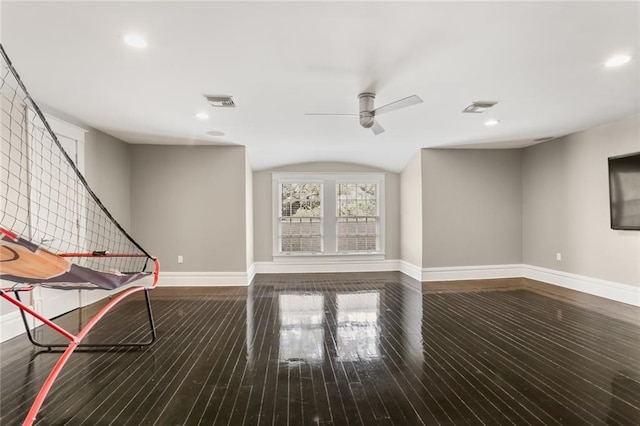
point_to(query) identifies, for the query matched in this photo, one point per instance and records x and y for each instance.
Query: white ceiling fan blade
(322, 114)
(402, 103)
(377, 128)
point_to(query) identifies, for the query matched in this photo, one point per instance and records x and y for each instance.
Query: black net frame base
(76, 339)
(94, 347)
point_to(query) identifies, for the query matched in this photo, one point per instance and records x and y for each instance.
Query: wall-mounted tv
(624, 191)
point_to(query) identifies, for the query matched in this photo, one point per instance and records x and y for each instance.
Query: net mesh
(43, 197)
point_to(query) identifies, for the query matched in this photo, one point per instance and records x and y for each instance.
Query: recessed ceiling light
(491, 123)
(135, 40)
(202, 116)
(215, 133)
(617, 60)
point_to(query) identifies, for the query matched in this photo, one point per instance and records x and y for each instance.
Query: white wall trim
(619, 292)
(316, 266)
(455, 273)
(608, 289)
(411, 270)
(51, 303)
(203, 279)
(11, 325)
(481, 272)
(251, 273)
(65, 128)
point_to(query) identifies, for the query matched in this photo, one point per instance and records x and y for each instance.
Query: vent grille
(479, 107)
(545, 139)
(221, 101)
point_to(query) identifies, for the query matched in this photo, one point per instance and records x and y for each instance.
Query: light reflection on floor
(358, 330)
(301, 327)
(303, 322)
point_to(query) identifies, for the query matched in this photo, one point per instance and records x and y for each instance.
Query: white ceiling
(542, 61)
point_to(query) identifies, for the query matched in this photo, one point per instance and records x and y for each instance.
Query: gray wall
(471, 207)
(566, 205)
(263, 215)
(190, 201)
(411, 211)
(108, 172)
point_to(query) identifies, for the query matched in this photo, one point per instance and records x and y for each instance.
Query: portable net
(47, 206)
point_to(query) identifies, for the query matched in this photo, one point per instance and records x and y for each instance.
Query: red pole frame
(74, 339)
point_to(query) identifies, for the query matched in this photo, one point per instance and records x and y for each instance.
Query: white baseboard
(411, 270)
(318, 266)
(456, 273)
(619, 292)
(58, 302)
(11, 325)
(483, 272)
(251, 273)
(624, 293)
(203, 279)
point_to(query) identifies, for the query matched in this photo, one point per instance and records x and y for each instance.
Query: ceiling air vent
(479, 106)
(545, 139)
(221, 101)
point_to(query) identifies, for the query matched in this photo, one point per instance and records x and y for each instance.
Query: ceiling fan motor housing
(366, 109)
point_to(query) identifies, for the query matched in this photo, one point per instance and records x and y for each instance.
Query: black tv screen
(624, 191)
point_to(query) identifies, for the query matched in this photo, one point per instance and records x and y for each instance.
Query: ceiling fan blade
(322, 114)
(377, 128)
(402, 103)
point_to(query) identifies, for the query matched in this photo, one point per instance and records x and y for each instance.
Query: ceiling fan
(368, 114)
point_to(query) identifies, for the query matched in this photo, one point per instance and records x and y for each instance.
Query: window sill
(322, 257)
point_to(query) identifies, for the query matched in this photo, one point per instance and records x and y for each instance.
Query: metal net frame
(56, 230)
(44, 198)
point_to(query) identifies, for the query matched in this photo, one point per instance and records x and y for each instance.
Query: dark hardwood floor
(345, 349)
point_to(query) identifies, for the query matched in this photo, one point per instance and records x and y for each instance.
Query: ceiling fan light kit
(366, 109)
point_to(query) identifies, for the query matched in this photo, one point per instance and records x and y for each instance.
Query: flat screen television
(624, 191)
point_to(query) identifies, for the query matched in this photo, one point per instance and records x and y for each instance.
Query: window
(328, 214)
(357, 223)
(301, 217)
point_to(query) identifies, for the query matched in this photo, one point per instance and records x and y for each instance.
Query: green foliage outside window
(301, 200)
(357, 199)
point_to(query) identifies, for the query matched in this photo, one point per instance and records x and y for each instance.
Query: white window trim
(329, 216)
